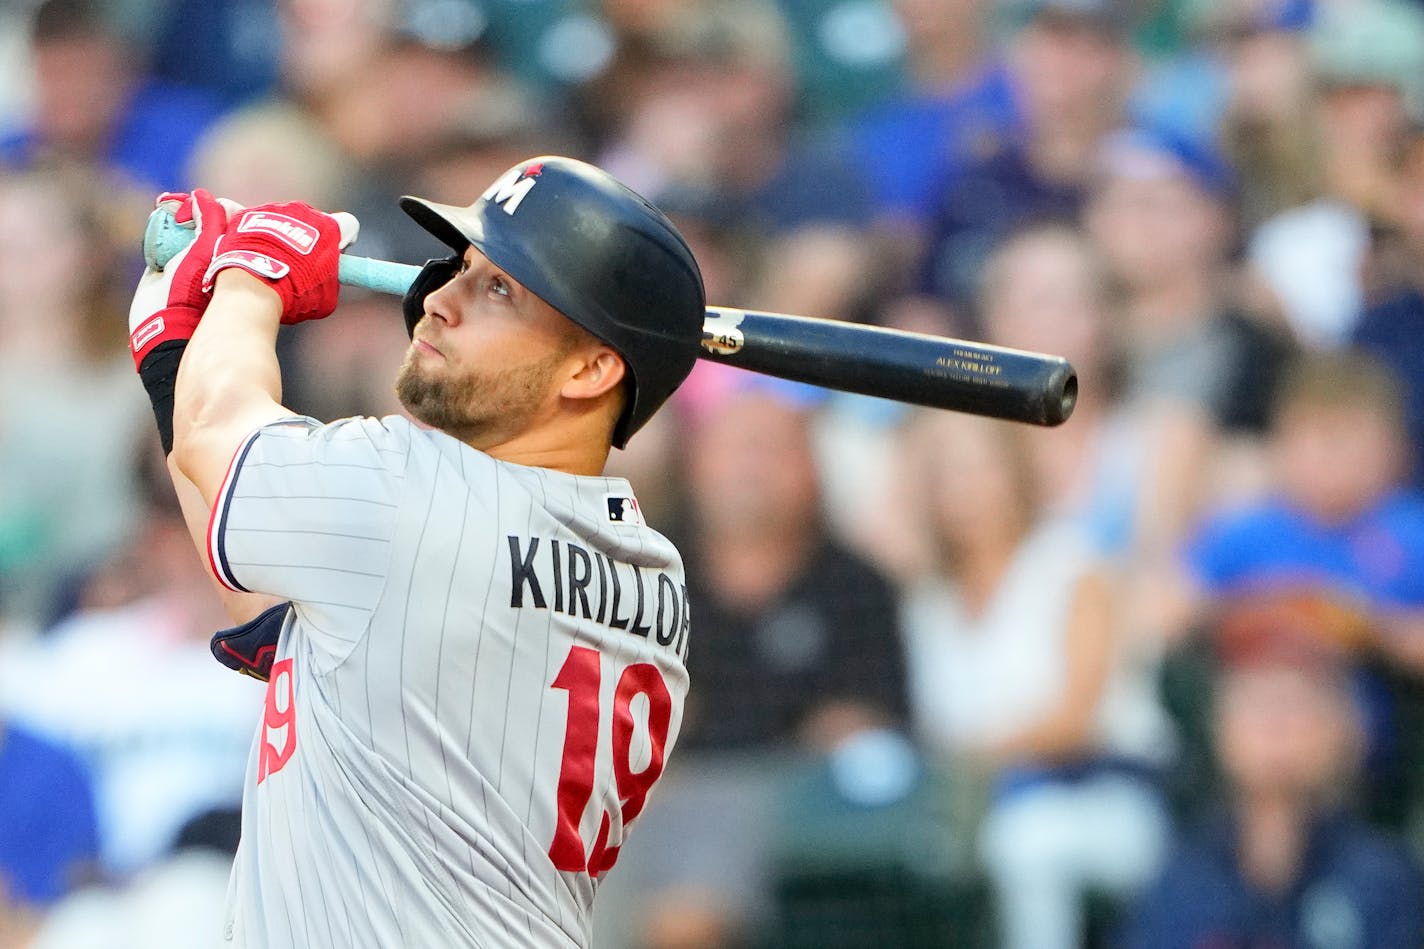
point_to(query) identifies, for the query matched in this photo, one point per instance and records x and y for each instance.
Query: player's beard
(479, 407)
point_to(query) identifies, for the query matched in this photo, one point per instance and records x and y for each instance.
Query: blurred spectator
(1340, 541)
(797, 632)
(275, 151)
(718, 116)
(48, 842)
(95, 105)
(386, 90)
(1071, 70)
(328, 43)
(1161, 211)
(69, 409)
(957, 100)
(641, 40)
(1285, 864)
(1046, 288)
(1368, 62)
(1392, 328)
(1245, 84)
(129, 683)
(1017, 667)
(227, 47)
(1339, 525)
(856, 438)
(798, 650)
(272, 151)
(1197, 372)
(501, 126)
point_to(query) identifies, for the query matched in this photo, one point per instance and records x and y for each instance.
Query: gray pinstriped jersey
(478, 684)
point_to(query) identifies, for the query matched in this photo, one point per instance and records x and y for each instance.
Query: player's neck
(555, 452)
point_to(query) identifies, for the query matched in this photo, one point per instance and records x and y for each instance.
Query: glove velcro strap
(259, 265)
(172, 323)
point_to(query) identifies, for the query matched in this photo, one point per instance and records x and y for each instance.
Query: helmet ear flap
(434, 275)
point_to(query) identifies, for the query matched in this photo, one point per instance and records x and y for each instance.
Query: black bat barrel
(934, 371)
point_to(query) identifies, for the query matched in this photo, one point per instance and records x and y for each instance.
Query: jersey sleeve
(306, 512)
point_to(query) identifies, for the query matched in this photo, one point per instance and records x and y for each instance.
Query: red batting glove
(294, 248)
(169, 302)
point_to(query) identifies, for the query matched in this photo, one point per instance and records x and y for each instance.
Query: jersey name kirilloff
(590, 585)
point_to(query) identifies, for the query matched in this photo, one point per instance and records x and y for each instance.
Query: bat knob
(1063, 396)
(163, 238)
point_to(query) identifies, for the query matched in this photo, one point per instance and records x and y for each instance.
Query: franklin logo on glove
(300, 236)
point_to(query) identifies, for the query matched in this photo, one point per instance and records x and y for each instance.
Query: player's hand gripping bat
(934, 371)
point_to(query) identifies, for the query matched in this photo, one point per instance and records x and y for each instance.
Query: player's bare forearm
(229, 382)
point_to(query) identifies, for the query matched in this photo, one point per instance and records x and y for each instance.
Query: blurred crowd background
(1151, 679)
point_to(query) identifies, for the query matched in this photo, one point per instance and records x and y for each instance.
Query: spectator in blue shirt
(1340, 540)
(95, 105)
(1285, 866)
(1341, 527)
(1070, 69)
(958, 96)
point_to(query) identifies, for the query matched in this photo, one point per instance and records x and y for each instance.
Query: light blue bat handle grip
(163, 238)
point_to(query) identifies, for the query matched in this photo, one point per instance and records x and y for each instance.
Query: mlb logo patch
(623, 510)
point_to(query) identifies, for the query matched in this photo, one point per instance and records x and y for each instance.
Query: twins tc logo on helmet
(512, 186)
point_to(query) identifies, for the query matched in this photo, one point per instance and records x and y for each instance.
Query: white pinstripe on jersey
(476, 648)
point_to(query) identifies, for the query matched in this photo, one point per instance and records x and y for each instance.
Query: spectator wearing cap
(1284, 862)
(1197, 372)
(1071, 69)
(1367, 62)
(1161, 211)
(1264, 115)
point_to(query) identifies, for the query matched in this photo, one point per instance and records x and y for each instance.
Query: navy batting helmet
(595, 251)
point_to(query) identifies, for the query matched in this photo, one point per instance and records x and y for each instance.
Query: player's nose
(441, 304)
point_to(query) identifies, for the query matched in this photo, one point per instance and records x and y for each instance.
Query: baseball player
(481, 672)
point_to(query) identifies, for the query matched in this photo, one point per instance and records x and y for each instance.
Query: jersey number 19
(581, 676)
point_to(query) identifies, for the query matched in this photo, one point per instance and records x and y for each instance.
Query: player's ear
(599, 370)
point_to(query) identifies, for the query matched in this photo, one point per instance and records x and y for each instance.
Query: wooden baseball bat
(935, 371)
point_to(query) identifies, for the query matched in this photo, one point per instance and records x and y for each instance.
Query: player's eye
(499, 285)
